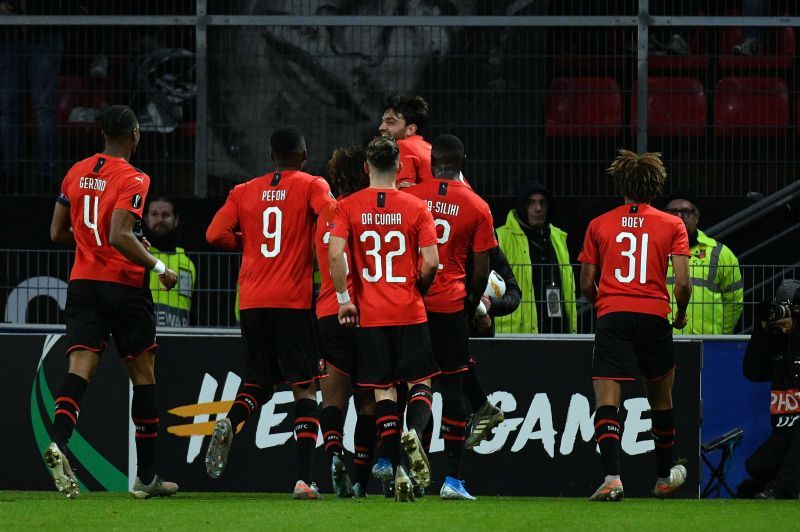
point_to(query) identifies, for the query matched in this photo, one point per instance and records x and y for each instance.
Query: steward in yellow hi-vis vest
(717, 290)
(172, 308)
(538, 255)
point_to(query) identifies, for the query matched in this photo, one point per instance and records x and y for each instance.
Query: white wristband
(343, 298)
(481, 309)
(159, 267)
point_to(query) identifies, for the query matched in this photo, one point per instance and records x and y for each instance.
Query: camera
(785, 304)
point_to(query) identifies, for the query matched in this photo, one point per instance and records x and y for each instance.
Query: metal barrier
(535, 89)
(33, 290)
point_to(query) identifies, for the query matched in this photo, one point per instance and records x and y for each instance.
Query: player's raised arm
(121, 237)
(682, 290)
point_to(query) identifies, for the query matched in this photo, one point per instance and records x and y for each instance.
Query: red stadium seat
(778, 52)
(751, 107)
(676, 107)
(583, 107)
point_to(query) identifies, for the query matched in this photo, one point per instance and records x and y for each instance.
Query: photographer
(773, 354)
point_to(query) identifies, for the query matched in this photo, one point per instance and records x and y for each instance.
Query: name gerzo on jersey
(91, 183)
(441, 207)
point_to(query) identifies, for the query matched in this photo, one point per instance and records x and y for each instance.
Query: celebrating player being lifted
(623, 272)
(387, 233)
(340, 347)
(271, 219)
(465, 230)
(99, 211)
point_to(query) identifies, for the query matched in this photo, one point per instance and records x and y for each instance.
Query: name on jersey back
(441, 207)
(633, 221)
(92, 184)
(380, 218)
(273, 195)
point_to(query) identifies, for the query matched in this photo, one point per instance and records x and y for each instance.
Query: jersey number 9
(269, 214)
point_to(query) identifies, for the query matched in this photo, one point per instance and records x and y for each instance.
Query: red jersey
(276, 214)
(463, 225)
(327, 304)
(384, 229)
(415, 154)
(630, 246)
(92, 189)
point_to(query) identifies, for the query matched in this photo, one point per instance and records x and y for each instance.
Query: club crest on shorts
(136, 201)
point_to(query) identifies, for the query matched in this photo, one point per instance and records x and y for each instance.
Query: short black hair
(287, 140)
(448, 150)
(117, 121)
(414, 109)
(382, 153)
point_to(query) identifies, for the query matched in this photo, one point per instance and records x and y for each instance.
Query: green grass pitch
(251, 511)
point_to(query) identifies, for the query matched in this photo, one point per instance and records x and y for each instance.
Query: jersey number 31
(633, 246)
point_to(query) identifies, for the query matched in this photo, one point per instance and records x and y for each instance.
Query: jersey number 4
(88, 216)
(374, 277)
(633, 246)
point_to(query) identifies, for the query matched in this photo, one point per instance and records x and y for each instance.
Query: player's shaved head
(117, 122)
(382, 154)
(288, 147)
(287, 140)
(639, 178)
(447, 156)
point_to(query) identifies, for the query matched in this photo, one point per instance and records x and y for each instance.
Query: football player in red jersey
(392, 241)
(623, 272)
(99, 211)
(465, 230)
(339, 347)
(271, 219)
(402, 120)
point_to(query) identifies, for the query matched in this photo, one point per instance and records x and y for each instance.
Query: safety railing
(33, 290)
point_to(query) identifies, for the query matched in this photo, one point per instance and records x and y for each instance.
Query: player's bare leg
(608, 430)
(82, 365)
(659, 395)
(306, 428)
(144, 412)
(334, 404)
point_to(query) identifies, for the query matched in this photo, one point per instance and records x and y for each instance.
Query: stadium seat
(696, 60)
(751, 107)
(583, 107)
(676, 107)
(75, 91)
(778, 52)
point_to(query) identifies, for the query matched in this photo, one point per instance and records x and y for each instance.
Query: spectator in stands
(670, 39)
(161, 229)
(537, 252)
(717, 292)
(751, 43)
(30, 62)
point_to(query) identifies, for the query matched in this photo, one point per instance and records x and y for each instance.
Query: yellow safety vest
(717, 290)
(514, 244)
(172, 307)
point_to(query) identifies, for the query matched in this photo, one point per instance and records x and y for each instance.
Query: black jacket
(501, 306)
(773, 356)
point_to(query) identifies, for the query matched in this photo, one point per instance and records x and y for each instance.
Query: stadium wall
(541, 383)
